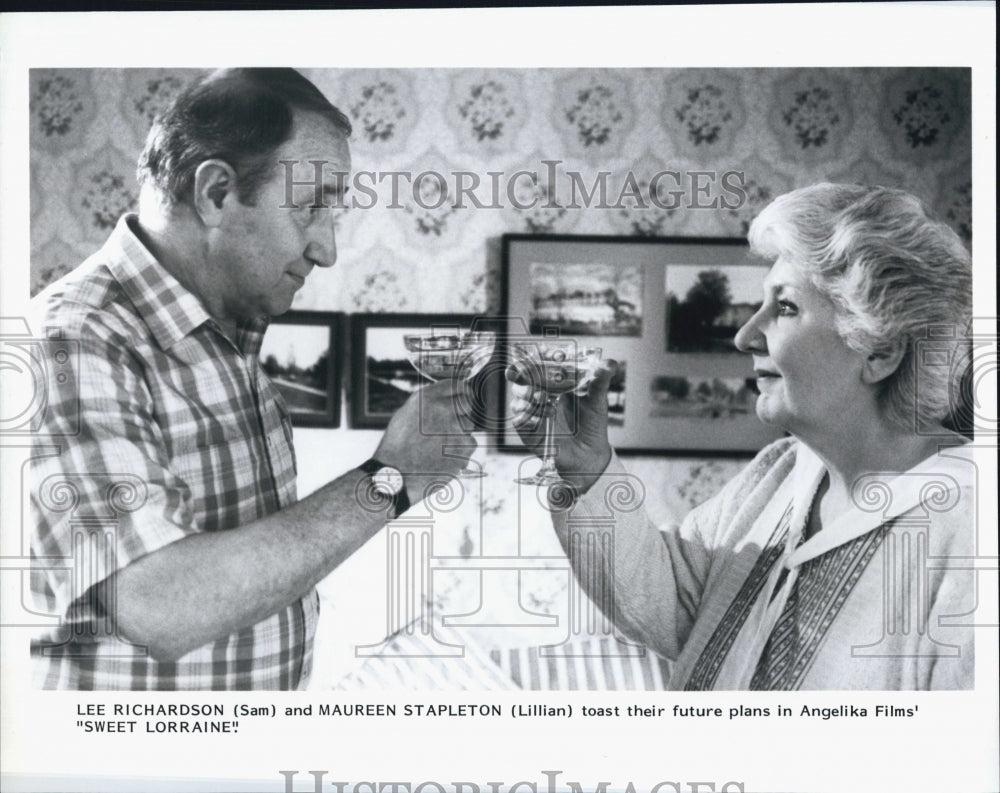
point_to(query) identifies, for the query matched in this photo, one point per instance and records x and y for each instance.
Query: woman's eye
(786, 309)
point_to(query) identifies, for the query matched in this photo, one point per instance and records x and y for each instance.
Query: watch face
(387, 480)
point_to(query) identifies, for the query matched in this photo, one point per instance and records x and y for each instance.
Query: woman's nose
(749, 337)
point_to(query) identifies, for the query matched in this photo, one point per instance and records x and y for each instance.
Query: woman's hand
(581, 425)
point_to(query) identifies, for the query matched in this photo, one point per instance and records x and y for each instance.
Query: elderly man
(209, 580)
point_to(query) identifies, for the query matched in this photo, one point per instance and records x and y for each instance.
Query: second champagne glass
(556, 367)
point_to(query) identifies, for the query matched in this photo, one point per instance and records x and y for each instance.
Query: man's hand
(425, 437)
(581, 425)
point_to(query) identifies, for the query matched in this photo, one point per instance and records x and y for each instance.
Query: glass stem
(549, 443)
(471, 471)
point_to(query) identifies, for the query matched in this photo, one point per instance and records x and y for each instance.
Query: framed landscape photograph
(597, 299)
(383, 376)
(707, 305)
(303, 354)
(666, 309)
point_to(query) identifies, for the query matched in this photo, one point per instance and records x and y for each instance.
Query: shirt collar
(170, 311)
(250, 335)
(878, 498)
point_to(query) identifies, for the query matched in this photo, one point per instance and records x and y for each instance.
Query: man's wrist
(387, 481)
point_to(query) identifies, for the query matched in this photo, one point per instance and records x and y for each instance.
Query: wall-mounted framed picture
(303, 354)
(383, 373)
(666, 309)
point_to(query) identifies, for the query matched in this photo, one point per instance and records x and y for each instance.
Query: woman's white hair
(894, 272)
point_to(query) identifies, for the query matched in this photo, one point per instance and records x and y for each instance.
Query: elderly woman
(829, 562)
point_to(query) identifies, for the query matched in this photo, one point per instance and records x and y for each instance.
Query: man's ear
(214, 184)
(879, 365)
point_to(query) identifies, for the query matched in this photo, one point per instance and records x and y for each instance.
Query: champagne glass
(448, 353)
(556, 367)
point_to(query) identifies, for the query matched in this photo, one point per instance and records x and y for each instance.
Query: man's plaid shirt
(157, 427)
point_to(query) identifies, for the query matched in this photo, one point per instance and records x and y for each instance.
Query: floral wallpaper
(781, 128)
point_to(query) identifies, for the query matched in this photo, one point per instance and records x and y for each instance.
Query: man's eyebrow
(331, 191)
(334, 189)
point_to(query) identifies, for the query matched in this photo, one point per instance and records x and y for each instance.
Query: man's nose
(321, 250)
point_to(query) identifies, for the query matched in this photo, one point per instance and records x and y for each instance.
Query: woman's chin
(760, 408)
(768, 416)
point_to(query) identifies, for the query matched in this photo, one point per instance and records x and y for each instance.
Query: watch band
(400, 500)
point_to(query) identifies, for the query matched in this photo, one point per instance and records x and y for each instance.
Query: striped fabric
(166, 428)
(596, 664)
(408, 663)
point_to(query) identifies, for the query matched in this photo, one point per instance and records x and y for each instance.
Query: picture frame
(303, 354)
(382, 377)
(666, 310)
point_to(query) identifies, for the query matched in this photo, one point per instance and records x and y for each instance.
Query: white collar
(934, 482)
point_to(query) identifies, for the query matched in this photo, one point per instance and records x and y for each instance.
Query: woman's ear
(879, 365)
(214, 184)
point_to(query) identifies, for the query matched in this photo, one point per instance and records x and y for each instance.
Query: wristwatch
(387, 481)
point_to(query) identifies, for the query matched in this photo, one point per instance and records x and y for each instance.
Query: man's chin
(278, 307)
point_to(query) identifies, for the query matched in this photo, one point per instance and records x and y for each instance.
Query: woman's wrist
(584, 470)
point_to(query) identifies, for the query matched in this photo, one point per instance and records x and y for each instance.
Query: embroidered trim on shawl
(817, 596)
(706, 668)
